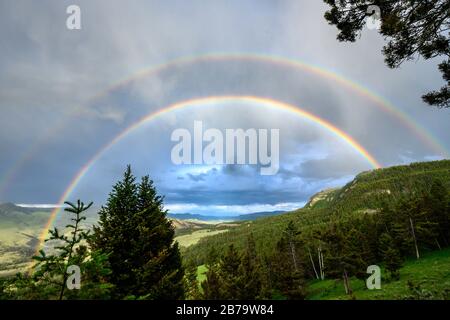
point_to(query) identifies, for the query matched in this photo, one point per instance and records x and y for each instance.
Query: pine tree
(212, 286)
(396, 223)
(192, 286)
(413, 28)
(423, 230)
(267, 282)
(290, 237)
(390, 255)
(229, 273)
(342, 259)
(249, 282)
(359, 249)
(288, 270)
(437, 200)
(135, 232)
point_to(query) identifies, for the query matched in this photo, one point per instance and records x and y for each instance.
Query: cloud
(60, 97)
(40, 206)
(108, 113)
(231, 210)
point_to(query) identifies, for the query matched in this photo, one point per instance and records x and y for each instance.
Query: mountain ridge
(361, 197)
(241, 217)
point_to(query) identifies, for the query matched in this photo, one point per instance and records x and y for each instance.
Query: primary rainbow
(418, 130)
(259, 101)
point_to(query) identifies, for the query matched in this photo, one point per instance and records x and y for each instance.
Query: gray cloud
(54, 98)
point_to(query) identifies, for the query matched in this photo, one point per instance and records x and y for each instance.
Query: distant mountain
(257, 215)
(179, 224)
(242, 217)
(9, 206)
(8, 209)
(191, 216)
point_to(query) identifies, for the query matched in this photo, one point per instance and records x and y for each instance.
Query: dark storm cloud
(234, 197)
(329, 168)
(197, 177)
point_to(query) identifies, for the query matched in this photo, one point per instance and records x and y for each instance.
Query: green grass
(201, 273)
(431, 272)
(194, 237)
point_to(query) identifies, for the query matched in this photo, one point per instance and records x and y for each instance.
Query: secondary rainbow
(260, 101)
(321, 71)
(419, 131)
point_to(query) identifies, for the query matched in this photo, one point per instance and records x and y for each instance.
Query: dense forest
(338, 249)
(384, 217)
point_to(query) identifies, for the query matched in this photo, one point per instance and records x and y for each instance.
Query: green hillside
(362, 196)
(388, 217)
(369, 189)
(397, 219)
(428, 278)
(19, 229)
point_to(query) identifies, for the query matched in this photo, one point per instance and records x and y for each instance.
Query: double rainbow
(404, 119)
(384, 105)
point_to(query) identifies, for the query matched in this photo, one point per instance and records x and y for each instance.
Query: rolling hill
(364, 195)
(19, 229)
(21, 226)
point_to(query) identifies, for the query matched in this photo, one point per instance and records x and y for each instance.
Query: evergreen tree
(213, 256)
(369, 227)
(288, 271)
(249, 282)
(423, 230)
(191, 282)
(359, 254)
(267, 278)
(212, 285)
(343, 258)
(438, 204)
(136, 234)
(412, 27)
(396, 223)
(229, 273)
(390, 255)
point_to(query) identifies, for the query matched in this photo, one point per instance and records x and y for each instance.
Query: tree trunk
(294, 258)
(313, 265)
(321, 265)
(345, 282)
(415, 240)
(437, 242)
(348, 290)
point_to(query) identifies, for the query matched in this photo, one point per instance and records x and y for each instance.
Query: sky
(63, 98)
